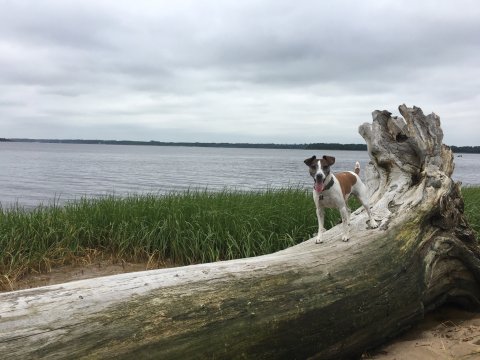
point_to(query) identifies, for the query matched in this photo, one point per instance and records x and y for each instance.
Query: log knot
(449, 210)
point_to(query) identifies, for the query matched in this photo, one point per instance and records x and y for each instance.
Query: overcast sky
(236, 71)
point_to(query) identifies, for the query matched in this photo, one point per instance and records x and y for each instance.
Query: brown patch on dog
(327, 160)
(310, 161)
(346, 180)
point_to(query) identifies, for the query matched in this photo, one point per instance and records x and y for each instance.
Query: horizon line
(356, 146)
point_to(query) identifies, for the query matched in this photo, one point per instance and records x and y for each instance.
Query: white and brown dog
(332, 191)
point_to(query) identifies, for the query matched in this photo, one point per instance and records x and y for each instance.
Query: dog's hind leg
(373, 223)
(362, 196)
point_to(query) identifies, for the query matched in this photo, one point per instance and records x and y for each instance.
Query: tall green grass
(471, 197)
(181, 228)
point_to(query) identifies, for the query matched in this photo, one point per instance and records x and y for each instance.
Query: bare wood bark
(327, 301)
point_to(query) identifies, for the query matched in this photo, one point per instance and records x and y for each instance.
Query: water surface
(36, 173)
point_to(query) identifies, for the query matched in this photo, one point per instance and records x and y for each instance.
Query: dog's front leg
(321, 229)
(320, 218)
(346, 223)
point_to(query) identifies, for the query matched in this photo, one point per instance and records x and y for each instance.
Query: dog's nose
(319, 177)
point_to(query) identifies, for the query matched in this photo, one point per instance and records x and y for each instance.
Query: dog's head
(319, 169)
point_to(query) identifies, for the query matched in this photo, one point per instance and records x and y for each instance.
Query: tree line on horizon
(312, 146)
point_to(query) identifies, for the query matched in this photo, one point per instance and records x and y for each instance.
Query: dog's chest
(330, 199)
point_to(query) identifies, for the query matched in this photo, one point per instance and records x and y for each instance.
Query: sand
(447, 333)
(64, 274)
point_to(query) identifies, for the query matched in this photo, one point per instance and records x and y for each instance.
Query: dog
(333, 190)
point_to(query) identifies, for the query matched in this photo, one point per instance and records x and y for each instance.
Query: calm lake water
(36, 173)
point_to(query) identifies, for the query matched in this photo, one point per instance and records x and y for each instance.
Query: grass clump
(471, 196)
(181, 228)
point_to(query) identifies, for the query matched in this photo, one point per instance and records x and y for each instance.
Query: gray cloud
(276, 71)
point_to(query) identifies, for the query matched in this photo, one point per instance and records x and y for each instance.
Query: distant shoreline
(312, 146)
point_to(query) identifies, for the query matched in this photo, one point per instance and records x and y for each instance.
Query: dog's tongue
(319, 186)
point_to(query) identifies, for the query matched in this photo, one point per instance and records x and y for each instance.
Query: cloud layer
(256, 71)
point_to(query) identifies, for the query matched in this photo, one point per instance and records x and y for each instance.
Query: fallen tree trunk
(328, 301)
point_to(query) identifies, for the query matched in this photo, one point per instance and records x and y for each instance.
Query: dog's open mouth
(319, 186)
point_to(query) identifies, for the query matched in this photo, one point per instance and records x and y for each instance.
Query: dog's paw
(373, 224)
(319, 236)
(345, 237)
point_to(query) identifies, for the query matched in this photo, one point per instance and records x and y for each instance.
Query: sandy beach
(447, 333)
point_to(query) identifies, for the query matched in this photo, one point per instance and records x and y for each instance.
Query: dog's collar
(329, 185)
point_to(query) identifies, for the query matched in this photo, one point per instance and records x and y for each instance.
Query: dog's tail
(357, 168)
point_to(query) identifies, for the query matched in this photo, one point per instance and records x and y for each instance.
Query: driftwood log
(329, 301)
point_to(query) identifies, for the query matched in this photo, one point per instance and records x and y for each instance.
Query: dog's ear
(329, 159)
(310, 161)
